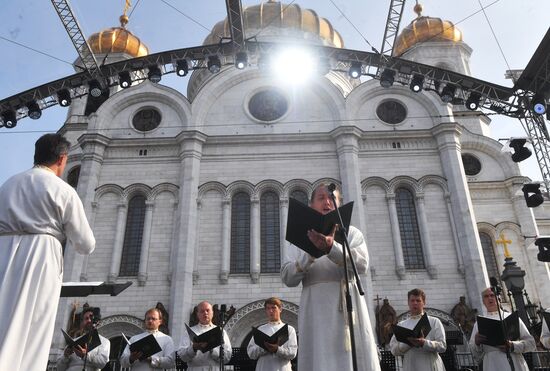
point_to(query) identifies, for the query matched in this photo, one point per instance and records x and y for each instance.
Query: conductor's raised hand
(322, 242)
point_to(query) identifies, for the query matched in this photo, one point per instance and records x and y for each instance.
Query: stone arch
(325, 180)
(112, 326)
(211, 186)
(375, 181)
(164, 187)
(487, 228)
(253, 314)
(433, 179)
(297, 184)
(404, 181)
(269, 185)
(108, 188)
(137, 188)
(240, 186)
(445, 318)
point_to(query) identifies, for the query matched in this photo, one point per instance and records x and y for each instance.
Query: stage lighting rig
(124, 79)
(472, 103)
(355, 70)
(543, 243)
(9, 118)
(521, 152)
(214, 65)
(33, 110)
(182, 67)
(64, 98)
(94, 88)
(448, 93)
(538, 104)
(387, 78)
(154, 75)
(241, 60)
(417, 83)
(533, 195)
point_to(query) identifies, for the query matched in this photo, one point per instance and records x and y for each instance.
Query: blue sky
(519, 27)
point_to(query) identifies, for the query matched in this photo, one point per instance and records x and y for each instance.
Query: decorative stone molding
(224, 277)
(401, 272)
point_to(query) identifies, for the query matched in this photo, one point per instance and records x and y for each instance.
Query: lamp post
(515, 283)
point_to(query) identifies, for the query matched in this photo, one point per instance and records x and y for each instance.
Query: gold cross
(503, 241)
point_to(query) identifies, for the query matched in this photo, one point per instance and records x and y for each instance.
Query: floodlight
(10, 119)
(214, 65)
(182, 67)
(94, 88)
(64, 98)
(520, 151)
(355, 70)
(154, 75)
(34, 111)
(387, 77)
(543, 243)
(472, 103)
(532, 194)
(448, 93)
(538, 103)
(241, 60)
(417, 83)
(124, 79)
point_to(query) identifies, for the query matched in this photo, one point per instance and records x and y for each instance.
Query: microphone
(331, 187)
(223, 308)
(494, 285)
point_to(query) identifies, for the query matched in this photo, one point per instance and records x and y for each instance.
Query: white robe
(494, 359)
(199, 361)
(427, 357)
(324, 336)
(280, 360)
(37, 211)
(97, 358)
(545, 334)
(163, 359)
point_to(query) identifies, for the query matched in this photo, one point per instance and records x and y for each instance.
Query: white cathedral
(188, 194)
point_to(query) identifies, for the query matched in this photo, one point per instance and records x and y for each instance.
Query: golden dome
(424, 29)
(283, 16)
(117, 40)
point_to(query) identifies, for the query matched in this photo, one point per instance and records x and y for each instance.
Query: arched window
(489, 255)
(270, 232)
(72, 177)
(240, 233)
(131, 249)
(408, 227)
(300, 196)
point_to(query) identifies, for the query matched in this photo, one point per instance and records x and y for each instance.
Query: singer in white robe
(494, 358)
(96, 359)
(545, 334)
(322, 320)
(195, 358)
(38, 210)
(425, 357)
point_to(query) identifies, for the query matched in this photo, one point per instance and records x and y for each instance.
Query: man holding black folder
(273, 356)
(137, 360)
(494, 356)
(200, 355)
(421, 350)
(74, 358)
(325, 342)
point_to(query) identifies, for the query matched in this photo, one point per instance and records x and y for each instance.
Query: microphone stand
(222, 342)
(496, 290)
(88, 342)
(349, 305)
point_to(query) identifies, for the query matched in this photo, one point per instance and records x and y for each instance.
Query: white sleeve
(358, 248)
(75, 224)
(167, 357)
(289, 349)
(99, 357)
(295, 266)
(526, 342)
(436, 341)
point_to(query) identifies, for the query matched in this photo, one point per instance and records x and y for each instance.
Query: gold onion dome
(117, 40)
(425, 29)
(276, 15)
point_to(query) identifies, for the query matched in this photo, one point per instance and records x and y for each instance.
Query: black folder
(91, 339)
(492, 329)
(280, 337)
(212, 337)
(422, 329)
(302, 218)
(546, 316)
(147, 345)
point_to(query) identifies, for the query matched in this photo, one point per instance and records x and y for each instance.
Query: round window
(268, 105)
(472, 166)
(391, 112)
(146, 119)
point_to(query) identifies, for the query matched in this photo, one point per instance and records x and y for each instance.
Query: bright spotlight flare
(294, 65)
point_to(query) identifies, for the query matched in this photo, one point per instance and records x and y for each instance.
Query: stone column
(173, 244)
(226, 240)
(181, 290)
(425, 233)
(455, 237)
(283, 207)
(447, 136)
(255, 239)
(196, 273)
(396, 237)
(119, 242)
(145, 243)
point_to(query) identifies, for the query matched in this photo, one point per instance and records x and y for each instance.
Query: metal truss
(68, 19)
(392, 28)
(235, 18)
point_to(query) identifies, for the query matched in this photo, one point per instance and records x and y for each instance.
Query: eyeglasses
(151, 319)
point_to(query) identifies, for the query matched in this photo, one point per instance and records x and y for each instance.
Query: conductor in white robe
(273, 357)
(165, 359)
(74, 358)
(191, 352)
(38, 211)
(494, 358)
(545, 334)
(323, 326)
(424, 352)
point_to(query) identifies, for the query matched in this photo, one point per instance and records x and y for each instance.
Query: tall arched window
(270, 232)
(489, 255)
(408, 227)
(240, 233)
(300, 196)
(72, 177)
(131, 249)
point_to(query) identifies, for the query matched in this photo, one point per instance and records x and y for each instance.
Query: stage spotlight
(543, 243)
(417, 83)
(124, 79)
(154, 75)
(214, 65)
(94, 88)
(241, 60)
(64, 98)
(387, 77)
(355, 70)
(182, 68)
(448, 93)
(538, 103)
(520, 151)
(472, 103)
(34, 111)
(10, 119)
(532, 194)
